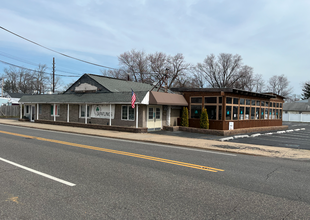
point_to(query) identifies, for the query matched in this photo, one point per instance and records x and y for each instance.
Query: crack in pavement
(269, 174)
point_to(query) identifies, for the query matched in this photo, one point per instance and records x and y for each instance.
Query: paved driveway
(291, 138)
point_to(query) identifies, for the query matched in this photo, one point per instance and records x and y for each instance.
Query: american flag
(133, 99)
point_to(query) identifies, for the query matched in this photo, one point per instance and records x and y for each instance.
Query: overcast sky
(272, 36)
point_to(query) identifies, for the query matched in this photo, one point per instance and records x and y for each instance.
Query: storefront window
(241, 113)
(242, 101)
(195, 111)
(267, 104)
(263, 103)
(210, 99)
(252, 113)
(248, 102)
(262, 113)
(211, 110)
(258, 103)
(257, 113)
(235, 112)
(220, 99)
(266, 113)
(220, 112)
(236, 101)
(196, 100)
(247, 113)
(253, 102)
(277, 114)
(228, 112)
(228, 100)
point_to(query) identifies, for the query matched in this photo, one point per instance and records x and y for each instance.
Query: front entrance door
(32, 113)
(154, 118)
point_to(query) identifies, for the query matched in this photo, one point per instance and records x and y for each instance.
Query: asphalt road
(295, 139)
(117, 179)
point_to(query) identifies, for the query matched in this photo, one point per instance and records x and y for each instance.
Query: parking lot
(290, 138)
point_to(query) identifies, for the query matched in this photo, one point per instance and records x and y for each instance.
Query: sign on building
(102, 111)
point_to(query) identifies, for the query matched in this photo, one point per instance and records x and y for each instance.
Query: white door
(154, 118)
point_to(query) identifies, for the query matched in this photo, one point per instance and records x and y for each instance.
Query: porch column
(37, 111)
(20, 111)
(54, 111)
(24, 110)
(168, 115)
(68, 113)
(85, 113)
(137, 115)
(110, 116)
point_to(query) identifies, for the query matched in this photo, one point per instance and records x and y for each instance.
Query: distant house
(13, 98)
(298, 107)
(107, 101)
(297, 111)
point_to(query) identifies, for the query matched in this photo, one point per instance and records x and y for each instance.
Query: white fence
(296, 117)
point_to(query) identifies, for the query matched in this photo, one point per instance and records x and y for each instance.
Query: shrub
(184, 119)
(204, 119)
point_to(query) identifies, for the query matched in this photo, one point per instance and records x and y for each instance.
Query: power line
(29, 62)
(33, 69)
(55, 50)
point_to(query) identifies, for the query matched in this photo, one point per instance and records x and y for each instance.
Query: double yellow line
(195, 166)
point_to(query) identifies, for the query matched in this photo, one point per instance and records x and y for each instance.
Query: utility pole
(53, 75)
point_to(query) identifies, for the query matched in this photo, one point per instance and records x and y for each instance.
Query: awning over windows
(160, 98)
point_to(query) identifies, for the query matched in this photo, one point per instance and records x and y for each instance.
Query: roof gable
(85, 79)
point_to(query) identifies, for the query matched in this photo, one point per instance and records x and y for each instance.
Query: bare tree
(178, 68)
(117, 73)
(135, 63)
(223, 71)
(40, 79)
(258, 83)
(279, 85)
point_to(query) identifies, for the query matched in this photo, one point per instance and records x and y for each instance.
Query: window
(267, 104)
(228, 100)
(280, 114)
(210, 99)
(241, 113)
(27, 109)
(248, 102)
(258, 103)
(247, 113)
(196, 100)
(220, 112)
(211, 110)
(274, 104)
(257, 113)
(242, 102)
(128, 113)
(235, 112)
(253, 102)
(262, 113)
(83, 110)
(195, 111)
(157, 115)
(280, 105)
(277, 114)
(270, 104)
(277, 105)
(151, 113)
(236, 101)
(263, 103)
(266, 113)
(57, 109)
(252, 113)
(220, 99)
(228, 112)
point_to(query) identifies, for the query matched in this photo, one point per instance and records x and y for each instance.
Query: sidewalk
(174, 139)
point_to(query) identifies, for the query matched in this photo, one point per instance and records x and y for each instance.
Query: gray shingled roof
(297, 106)
(118, 97)
(117, 85)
